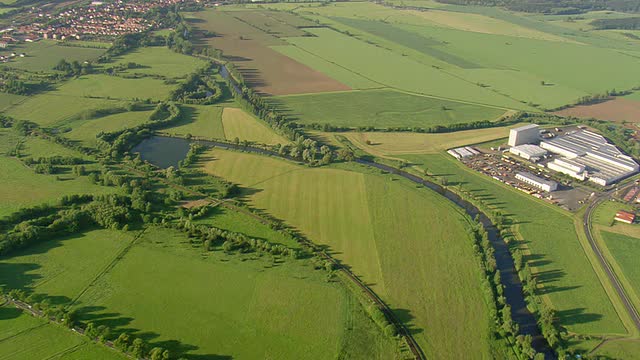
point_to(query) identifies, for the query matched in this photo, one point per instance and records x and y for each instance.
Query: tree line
(198, 88)
(555, 7)
(630, 23)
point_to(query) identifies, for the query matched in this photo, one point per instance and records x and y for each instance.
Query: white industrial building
(463, 152)
(587, 155)
(540, 183)
(527, 134)
(528, 151)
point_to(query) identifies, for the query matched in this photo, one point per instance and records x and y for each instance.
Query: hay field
(379, 228)
(619, 109)
(161, 61)
(43, 55)
(388, 143)
(239, 124)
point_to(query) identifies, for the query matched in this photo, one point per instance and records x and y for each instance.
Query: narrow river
(168, 151)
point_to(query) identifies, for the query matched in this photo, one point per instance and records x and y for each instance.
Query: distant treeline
(559, 7)
(631, 23)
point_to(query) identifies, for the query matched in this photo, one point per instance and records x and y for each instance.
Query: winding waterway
(168, 151)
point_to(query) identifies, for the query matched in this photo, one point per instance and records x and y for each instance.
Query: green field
(381, 108)
(217, 302)
(7, 100)
(43, 55)
(50, 108)
(86, 130)
(557, 258)
(113, 87)
(24, 337)
(393, 70)
(625, 250)
(380, 228)
(239, 124)
(23, 187)
(199, 120)
(161, 61)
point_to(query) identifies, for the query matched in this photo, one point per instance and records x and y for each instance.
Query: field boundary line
(108, 267)
(22, 332)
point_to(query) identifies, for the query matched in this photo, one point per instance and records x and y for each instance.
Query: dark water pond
(163, 151)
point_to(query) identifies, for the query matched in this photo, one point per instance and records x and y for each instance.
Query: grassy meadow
(379, 227)
(24, 337)
(625, 250)
(381, 108)
(158, 60)
(85, 131)
(113, 87)
(557, 258)
(205, 121)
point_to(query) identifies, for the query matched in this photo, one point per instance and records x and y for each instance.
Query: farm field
(161, 61)
(7, 100)
(19, 181)
(43, 55)
(378, 227)
(624, 250)
(86, 130)
(263, 68)
(237, 123)
(381, 109)
(558, 260)
(619, 109)
(25, 338)
(402, 143)
(285, 310)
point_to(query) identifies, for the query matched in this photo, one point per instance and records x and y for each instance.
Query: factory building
(528, 152)
(540, 183)
(587, 155)
(463, 152)
(527, 134)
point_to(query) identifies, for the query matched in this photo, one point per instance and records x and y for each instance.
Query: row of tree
(555, 7)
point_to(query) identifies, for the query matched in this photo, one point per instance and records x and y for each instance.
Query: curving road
(631, 310)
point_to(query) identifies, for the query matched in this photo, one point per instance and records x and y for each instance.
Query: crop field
(381, 108)
(7, 100)
(50, 108)
(619, 109)
(282, 310)
(43, 55)
(20, 181)
(239, 124)
(86, 130)
(558, 260)
(264, 21)
(161, 61)
(404, 143)
(262, 67)
(379, 228)
(25, 338)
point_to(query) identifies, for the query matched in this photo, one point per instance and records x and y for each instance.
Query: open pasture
(51, 108)
(7, 100)
(379, 228)
(620, 109)
(548, 235)
(381, 109)
(199, 120)
(389, 143)
(43, 55)
(86, 130)
(113, 87)
(264, 21)
(239, 124)
(262, 67)
(24, 337)
(160, 60)
(281, 310)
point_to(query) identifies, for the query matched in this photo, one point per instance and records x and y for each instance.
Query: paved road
(613, 279)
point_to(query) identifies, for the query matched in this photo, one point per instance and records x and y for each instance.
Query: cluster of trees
(179, 39)
(556, 7)
(381, 320)
(209, 236)
(139, 349)
(630, 23)
(199, 88)
(73, 68)
(482, 124)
